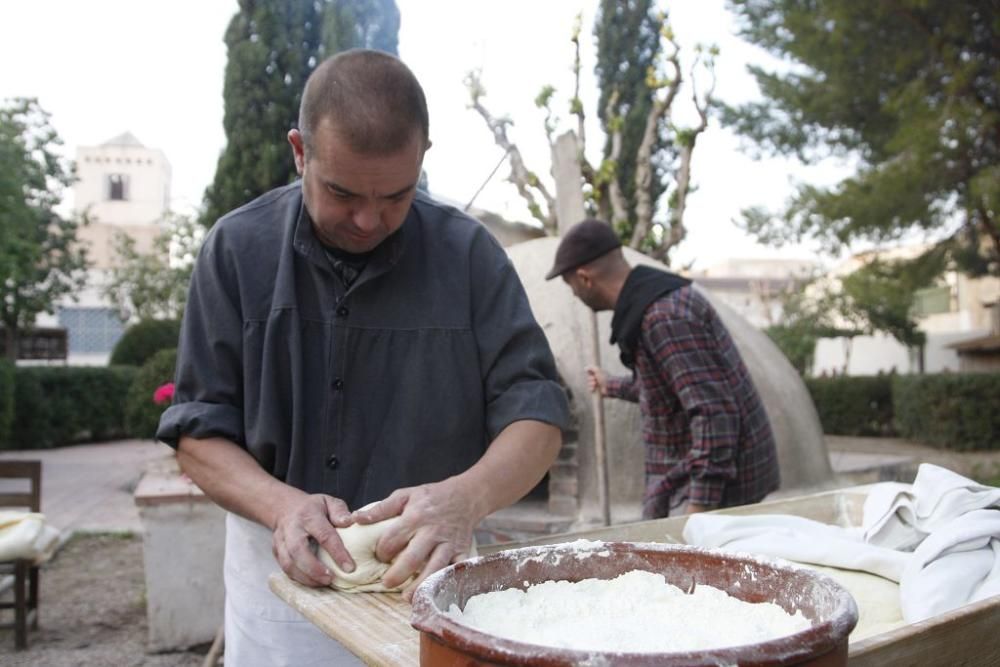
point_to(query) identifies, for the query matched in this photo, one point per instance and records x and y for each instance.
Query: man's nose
(366, 216)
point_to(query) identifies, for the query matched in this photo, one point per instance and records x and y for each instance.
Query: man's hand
(308, 519)
(435, 530)
(597, 380)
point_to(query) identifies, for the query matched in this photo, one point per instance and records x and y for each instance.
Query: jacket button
(338, 384)
(342, 311)
(332, 462)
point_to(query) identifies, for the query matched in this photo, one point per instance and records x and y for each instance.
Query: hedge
(55, 406)
(6, 399)
(142, 414)
(144, 339)
(949, 410)
(854, 405)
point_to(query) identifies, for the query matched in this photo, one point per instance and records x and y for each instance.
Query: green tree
(371, 24)
(911, 90)
(154, 285)
(40, 260)
(628, 46)
(808, 315)
(880, 295)
(273, 46)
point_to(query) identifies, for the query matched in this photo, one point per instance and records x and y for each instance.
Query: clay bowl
(443, 642)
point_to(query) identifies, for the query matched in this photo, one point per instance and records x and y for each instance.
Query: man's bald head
(370, 98)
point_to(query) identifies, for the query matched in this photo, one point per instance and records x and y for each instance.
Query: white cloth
(26, 535)
(794, 538)
(939, 538)
(261, 629)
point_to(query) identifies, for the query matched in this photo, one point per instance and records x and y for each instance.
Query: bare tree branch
(687, 141)
(576, 104)
(526, 181)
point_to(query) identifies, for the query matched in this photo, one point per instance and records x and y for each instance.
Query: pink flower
(164, 393)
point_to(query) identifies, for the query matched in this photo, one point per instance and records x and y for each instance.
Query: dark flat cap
(582, 244)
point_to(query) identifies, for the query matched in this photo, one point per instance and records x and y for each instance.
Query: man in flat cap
(708, 439)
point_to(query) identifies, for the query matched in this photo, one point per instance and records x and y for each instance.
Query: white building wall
(146, 174)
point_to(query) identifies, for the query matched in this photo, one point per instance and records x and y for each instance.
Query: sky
(154, 68)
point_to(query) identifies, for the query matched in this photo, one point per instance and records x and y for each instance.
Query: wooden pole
(600, 449)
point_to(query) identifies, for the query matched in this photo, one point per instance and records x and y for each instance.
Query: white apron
(261, 629)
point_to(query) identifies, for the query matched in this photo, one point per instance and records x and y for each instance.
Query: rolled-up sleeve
(208, 385)
(516, 363)
(687, 356)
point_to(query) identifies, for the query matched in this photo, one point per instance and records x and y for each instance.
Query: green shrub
(959, 411)
(56, 406)
(144, 339)
(6, 400)
(854, 405)
(142, 414)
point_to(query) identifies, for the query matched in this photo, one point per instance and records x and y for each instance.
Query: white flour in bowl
(636, 612)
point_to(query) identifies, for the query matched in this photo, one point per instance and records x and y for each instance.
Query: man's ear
(585, 277)
(298, 149)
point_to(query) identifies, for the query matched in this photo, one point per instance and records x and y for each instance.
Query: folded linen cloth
(900, 516)
(26, 535)
(957, 564)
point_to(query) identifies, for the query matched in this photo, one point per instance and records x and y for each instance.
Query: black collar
(643, 286)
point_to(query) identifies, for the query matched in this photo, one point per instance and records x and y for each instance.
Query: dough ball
(360, 541)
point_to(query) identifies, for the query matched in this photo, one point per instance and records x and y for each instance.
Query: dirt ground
(92, 610)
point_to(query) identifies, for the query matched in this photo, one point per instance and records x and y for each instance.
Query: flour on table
(637, 611)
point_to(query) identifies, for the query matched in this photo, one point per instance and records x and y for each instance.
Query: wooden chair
(24, 572)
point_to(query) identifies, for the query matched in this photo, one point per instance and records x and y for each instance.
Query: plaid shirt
(708, 439)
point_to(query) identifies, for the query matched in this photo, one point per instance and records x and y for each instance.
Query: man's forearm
(513, 464)
(231, 477)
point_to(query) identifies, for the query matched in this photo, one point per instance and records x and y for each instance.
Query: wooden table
(376, 626)
(373, 626)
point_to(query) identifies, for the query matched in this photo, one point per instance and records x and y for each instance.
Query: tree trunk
(10, 343)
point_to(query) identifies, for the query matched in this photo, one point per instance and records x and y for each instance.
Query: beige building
(122, 186)
(955, 312)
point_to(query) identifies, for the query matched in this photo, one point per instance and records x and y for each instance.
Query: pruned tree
(41, 261)
(625, 188)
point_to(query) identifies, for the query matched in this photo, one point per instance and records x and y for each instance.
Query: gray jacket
(403, 379)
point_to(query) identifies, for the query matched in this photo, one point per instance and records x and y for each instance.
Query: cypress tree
(628, 45)
(273, 47)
